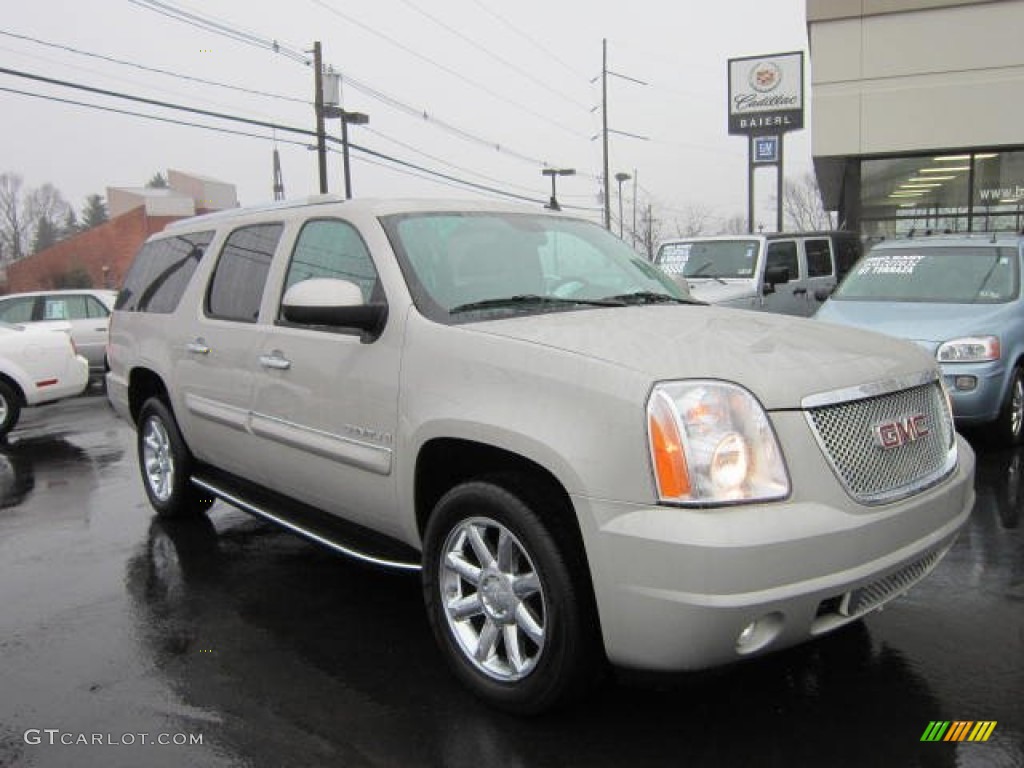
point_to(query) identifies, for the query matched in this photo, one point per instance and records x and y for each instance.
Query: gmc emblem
(893, 434)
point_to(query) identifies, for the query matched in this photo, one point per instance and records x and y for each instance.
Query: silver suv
(586, 465)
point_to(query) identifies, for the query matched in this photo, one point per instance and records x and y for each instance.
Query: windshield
(955, 275)
(709, 258)
(471, 266)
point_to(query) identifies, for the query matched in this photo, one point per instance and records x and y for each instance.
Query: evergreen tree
(46, 234)
(95, 212)
(70, 227)
(159, 181)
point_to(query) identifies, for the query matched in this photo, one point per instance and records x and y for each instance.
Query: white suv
(586, 464)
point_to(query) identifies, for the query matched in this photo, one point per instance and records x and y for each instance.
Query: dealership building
(918, 113)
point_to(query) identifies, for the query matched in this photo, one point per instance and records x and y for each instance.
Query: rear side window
(783, 254)
(161, 272)
(70, 307)
(819, 258)
(17, 310)
(236, 288)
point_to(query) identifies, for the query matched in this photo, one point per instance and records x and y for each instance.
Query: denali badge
(893, 434)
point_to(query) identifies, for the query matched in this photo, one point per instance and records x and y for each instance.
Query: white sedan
(37, 365)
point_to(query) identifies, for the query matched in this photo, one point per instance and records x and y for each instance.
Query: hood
(715, 292)
(780, 359)
(925, 323)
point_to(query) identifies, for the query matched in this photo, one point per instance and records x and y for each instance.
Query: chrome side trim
(228, 415)
(304, 532)
(872, 389)
(347, 450)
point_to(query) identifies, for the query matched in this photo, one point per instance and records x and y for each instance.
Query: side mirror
(774, 276)
(822, 294)
(334, 303)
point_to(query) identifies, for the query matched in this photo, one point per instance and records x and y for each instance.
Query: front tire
(166, 464)
(1010, 424)
(506, 606)
(10, 408)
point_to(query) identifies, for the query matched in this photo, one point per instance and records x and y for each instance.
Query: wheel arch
(14, 385)
(143, 384)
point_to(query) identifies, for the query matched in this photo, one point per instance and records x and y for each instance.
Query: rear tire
(166, 464)
(507, 605)
(10, 408)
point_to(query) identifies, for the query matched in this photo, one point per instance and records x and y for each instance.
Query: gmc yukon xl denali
(586, 465)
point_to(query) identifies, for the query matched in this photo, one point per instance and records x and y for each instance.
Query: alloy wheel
(493, 599)
(158, 459)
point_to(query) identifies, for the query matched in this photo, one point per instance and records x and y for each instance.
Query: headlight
(974, 349)
(711, 443)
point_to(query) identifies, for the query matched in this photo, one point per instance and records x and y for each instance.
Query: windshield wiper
(532, 299)
(650, 297)
(701, 268)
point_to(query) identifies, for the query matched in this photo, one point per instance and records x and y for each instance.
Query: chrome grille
(860, 601)
(849, 434)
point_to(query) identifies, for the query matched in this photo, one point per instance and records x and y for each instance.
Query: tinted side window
(819, 258)
(17, 310)
(161, 272)
(328, 248)
(783, 254)
(847, 253)
(236, 288)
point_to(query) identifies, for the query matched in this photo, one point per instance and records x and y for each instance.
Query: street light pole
(553, 172)
(355, 118)
(621, 177)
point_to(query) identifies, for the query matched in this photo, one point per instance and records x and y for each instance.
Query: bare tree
(694, 221)
(734, 225)
(803, 207)
(648, 231)
(15, 223)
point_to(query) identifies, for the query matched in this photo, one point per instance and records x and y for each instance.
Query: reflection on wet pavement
(279, 653)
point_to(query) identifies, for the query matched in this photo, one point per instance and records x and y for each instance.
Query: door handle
(197, 347)
(275, 361)
(799, 291)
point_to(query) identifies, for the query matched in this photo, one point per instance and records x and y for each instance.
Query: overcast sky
(488, 74)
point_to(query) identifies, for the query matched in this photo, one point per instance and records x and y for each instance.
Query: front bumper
(981, 404)
(676, 588)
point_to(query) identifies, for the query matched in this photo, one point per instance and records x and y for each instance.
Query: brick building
(105, 252)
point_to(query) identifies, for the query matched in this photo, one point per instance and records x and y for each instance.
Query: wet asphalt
(255, 648)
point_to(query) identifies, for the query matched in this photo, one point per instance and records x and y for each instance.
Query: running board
(338, 535)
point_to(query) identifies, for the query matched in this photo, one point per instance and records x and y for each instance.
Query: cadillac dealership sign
(766, 94)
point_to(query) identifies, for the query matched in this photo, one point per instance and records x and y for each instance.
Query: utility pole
(278, 179)
(604, 131)
(321, 137)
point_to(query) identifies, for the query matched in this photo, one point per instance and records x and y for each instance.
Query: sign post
(766, 101)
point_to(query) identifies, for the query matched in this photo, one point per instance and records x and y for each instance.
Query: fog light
(965, 383)
(759, 634)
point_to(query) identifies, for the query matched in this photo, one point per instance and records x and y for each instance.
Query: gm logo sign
(766, 149)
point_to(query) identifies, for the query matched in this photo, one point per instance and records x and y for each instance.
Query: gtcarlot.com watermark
(55, 736)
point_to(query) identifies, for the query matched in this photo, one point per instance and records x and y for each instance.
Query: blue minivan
(959, 297)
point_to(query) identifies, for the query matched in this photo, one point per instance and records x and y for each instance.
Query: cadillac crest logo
(765, 76)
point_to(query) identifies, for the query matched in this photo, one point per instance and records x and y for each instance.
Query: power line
(530, 39)
(156, 70)
(264, 43)
(248, 121)
(492, 55)
(449, 70)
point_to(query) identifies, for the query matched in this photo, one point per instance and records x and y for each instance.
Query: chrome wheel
(158, 459)
(3, 409)
(493, 599)
(1017, 407)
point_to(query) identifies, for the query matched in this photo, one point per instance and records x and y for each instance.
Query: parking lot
(125, 640)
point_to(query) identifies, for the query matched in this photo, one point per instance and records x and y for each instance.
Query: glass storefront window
(932, 193)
